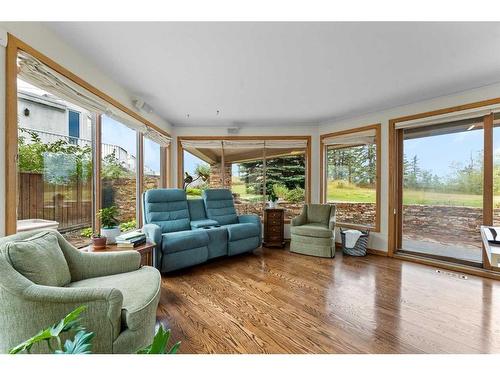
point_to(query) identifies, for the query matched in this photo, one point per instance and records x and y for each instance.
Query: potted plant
(109, 224)
(98, 241)
(273, 199)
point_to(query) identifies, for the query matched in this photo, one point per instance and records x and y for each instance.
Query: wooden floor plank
(273, 301)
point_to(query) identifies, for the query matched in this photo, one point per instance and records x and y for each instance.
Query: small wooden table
(146, 250)
(274, 227)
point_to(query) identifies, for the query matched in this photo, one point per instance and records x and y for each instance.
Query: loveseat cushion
(312, 230)
(219, 206)
(196, 209)
(40, 259)
(140, 290)
(185, 240)
(167, 208)
(241, 231)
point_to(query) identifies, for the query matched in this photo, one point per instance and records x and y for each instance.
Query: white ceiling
(284, 73)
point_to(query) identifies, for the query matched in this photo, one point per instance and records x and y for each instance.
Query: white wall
(39, 37)
(380, 240)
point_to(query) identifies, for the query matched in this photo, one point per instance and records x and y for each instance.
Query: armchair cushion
(40, 259)
(140, 290)
(319, 213)
(220, 206)
(241, 231)
(185, 240)
(312, 230)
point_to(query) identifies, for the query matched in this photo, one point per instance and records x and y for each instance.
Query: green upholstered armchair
(313, 231)
(43, 278)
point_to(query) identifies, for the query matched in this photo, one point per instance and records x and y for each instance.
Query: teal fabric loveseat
(191, 231)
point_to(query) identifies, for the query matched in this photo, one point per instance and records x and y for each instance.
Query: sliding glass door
(442, 190)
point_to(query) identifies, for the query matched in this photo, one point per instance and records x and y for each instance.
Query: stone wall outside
(123, 195)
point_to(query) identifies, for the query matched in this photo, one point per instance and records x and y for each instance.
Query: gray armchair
(43, 278)
(313, 231)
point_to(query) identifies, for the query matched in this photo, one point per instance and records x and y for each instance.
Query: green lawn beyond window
(355, 194)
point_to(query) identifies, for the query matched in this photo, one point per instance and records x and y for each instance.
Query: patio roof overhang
(234, 155)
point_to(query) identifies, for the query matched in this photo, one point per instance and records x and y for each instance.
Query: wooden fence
(70, 204)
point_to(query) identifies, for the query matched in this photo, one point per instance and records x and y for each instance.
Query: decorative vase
(110, 234)
(272, 204)
(99, 243)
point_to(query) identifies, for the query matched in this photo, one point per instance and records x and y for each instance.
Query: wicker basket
(359, 249)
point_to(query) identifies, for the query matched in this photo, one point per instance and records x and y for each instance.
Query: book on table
(130, 236)
(131, 243)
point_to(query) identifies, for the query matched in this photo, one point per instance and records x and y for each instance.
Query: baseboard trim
(338, 247)
(474, 271)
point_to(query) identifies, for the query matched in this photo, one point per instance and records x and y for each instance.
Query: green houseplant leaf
(160, 342)
(68, 323)
(80, 345)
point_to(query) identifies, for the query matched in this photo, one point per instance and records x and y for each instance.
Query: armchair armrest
(103, 305)
(301, 219)
(153, 233)
(333, 218)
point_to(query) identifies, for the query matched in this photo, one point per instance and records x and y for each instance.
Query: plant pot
(99, 243)
(272, 204)
(110, 234)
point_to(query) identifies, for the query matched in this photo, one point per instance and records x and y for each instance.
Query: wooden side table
(274, 227)
(146, 250)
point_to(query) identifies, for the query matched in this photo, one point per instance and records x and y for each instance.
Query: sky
(436, 153)
(118, 134)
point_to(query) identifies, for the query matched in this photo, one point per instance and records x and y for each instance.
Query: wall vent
(452, 274)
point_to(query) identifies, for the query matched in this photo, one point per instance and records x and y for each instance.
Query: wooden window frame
(180, 154)
(14, 46)
(396, 190)
(378, 153)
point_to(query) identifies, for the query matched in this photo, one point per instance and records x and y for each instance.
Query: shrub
(280, 190)
(86, 232)
(296, 195)
(193, 191)
(129, 225)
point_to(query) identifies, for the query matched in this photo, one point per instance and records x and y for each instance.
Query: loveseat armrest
(153, 233)
(301, 219)
(254, 219)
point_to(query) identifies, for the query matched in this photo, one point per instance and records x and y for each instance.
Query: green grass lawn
(367, 195)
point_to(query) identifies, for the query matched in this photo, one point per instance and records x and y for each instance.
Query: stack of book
(131, 239)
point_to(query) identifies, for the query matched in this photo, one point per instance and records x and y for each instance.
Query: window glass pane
(246, 168)
(197, 175)
(55, 167)
(152, 161)
(351, 183)
(118, 171)
(496, 170)
(442, 190)
(286, 177)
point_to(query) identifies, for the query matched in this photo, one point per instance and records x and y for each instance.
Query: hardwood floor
(274, 301)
